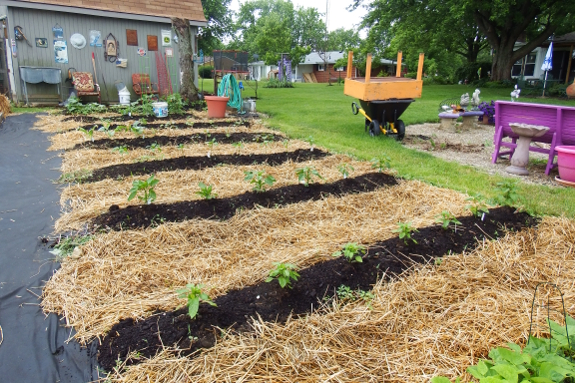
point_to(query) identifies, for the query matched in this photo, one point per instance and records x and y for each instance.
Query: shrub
(469, 71)
(410, 75)
(206, 71)
(175, 103)
(275, 83)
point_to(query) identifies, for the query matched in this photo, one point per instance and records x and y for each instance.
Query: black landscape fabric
(34, 348)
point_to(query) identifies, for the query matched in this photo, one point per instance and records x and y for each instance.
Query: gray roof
(332, 57)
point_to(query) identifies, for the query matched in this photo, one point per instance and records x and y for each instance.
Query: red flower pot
(216, 106)
(566, 162)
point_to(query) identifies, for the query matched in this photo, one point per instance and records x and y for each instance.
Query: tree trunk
(502, 64)
(188, 89)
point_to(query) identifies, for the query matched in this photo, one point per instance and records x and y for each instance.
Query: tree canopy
(219, 26)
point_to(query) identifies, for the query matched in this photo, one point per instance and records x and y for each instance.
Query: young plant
(175, 104)
(180, 146)
(259, 179)
(352, 252)
(311, 142)
(195, 295)
(477, 207)
(238, 145)
(122, 149)
(284, 273)
(154, 147)
(305, 175)
(66, 246)
(381, 163)
(446, 218)
(405, 230)
(106, 128)
(206, 191)
(507, 193)
(89, 133)
(146, 187)
(345, 169)
(345, 293)
(137, 129)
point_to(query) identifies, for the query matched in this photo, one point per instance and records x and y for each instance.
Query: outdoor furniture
(143, 85)
(84, 85)
(448, 119)
(559, 119)
(469, 119)
(36, 75)
(520, 157)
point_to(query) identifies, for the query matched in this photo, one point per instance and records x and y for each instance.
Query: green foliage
(259, 179)
(145, 108)
(284, 273)
(477, 206)
(194, 295)
(146, 187)
(218, 13)
(206, 191)
(446, 218)
(275, 83)
(77, 176)
(89, 133)
(352, 252)
(469, 71)
(66, 246)
(381, 163)
(305, 175)
(155, 147)
(75, 106)
(405, 230)
(345, 169)
(506, 193)
(345, 293)
(175, 103)
(122, 149)
(205, 71)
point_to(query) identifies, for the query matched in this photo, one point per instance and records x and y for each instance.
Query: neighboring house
(260, 71)
(144, 23)
(563, 71)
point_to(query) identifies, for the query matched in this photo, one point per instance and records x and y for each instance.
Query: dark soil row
(142, 216)
(181, 125)
(267, 300)
(143, 142)
(126, 118)
(198, 163)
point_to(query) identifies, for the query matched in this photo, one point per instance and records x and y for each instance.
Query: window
(320, 67)
(340, 69)
(525, 65)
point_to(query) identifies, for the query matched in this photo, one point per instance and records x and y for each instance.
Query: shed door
(4, 86)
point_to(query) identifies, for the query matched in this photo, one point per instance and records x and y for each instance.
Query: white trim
(321, 67)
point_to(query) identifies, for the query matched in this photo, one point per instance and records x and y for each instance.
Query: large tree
(220, 25)
(188, 88)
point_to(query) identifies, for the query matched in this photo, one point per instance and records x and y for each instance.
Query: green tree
(188, 88)
(343, 40)
(219, 26)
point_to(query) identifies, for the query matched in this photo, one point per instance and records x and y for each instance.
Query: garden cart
(383, 99)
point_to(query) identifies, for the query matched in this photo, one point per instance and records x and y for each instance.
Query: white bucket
(250, 105)
(160, 109)
(124, 96)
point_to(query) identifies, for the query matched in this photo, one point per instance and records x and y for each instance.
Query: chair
(84, 85)
(143, 85)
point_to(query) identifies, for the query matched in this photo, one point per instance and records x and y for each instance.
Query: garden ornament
(515, 94)
(464, 101)
(77, 41)
(475, 98)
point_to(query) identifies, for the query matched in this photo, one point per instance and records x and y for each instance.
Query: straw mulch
(4, 106)
(436, 320)
(132, 273)
(82, 202)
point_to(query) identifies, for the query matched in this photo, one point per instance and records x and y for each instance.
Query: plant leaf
(193, 307)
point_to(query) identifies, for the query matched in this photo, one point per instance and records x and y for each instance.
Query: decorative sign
(58, 32)
(169, 52)
(132, 37)
(41, 42)
(166, 38)
(141, 52)
(60, 52)
(111, 48)
(95, 38)
(14, 48)
(152, 43)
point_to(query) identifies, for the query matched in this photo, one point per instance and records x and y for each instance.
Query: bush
(411, 75)
(175, 104)
(205, 71)
(469, 71)
(436, 80)
(499, 84)
(275, 83)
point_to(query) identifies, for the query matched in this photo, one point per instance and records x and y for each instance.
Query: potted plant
(488, 110)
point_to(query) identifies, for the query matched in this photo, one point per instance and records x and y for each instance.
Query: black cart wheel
(374, 129)
(367, 122)
(400, 127)
(354, 108)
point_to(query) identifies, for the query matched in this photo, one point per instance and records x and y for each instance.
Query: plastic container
(124, 96)
(216, 106)
(566, 162)
(160, 109)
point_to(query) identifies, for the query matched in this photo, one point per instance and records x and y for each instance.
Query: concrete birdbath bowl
(520, 157)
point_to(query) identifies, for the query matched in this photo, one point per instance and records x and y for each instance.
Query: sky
(339, 17)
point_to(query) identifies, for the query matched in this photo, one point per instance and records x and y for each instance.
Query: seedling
(106, 128)
(345, 293)
(194, 295)
(477, 207)
(89, 133)
(446, 218)
(381, 163)
(352, 252)
(259, 179)
(507, 193)
(305, 175)
(206, 191)
(285, 143)
(180, 146)
(66, 246)
(311, 142)
(137, 129)
(211, 143)
(154, 147)
(142, 121)
(284, 273)
(238, 145)
(123, 149)
(147, 187)
(345, 169)
(405, 230)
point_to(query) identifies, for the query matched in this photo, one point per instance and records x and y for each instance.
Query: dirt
(197, 163)
(144, 142)
(181, 125)
(316, 285)
(142, 216)
(125, 118)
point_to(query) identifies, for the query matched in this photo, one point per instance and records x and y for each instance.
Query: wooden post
(349, 64)
(398, 69)
(569, 65)
(368, 68)
(420, 67)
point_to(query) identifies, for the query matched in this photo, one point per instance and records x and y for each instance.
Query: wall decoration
(78, 41)
(58, 32)
(141, 52)
(152, 43)
(132, 37)
(61, 52)
(166, 38)
(169, 52)
(95, 38)
(112, 50)
(14, 48)
(41, 42)
(122, 63)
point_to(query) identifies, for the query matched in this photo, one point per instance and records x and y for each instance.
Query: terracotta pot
(566, 162)
(485, 119)
(570, 90)
(216, 106)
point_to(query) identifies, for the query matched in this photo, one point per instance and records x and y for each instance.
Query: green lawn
(324, 112)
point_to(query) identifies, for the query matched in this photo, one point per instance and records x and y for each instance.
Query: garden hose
(229, 88)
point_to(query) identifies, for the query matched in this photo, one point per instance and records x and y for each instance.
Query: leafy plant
(194, 294)
(137, 129)
(89, 133)
(259, 179)
(345, 169)
(145, 108)
(477, 207)
(175, 103)
(66, 246)
(446, 218)
(77, 176)
(122, 149)
(275, 83)
(75, 106)
(507, 193)
(405, 230)
(211, 143)
(106, 128)
(352, 252)
(206, 191)
(154, 147)
(284, 273)
(180, 146)
(147, 187)
(311, 142)
(345, 293)
(381, 163)
(238, 145)
(305, 175)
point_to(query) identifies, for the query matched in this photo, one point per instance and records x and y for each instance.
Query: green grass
(325, 113)
(31, 109)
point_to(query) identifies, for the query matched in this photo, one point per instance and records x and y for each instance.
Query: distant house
(563, 71)
(260, 71)
(141, 28)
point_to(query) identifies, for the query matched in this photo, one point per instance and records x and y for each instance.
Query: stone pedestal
(520, 157)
